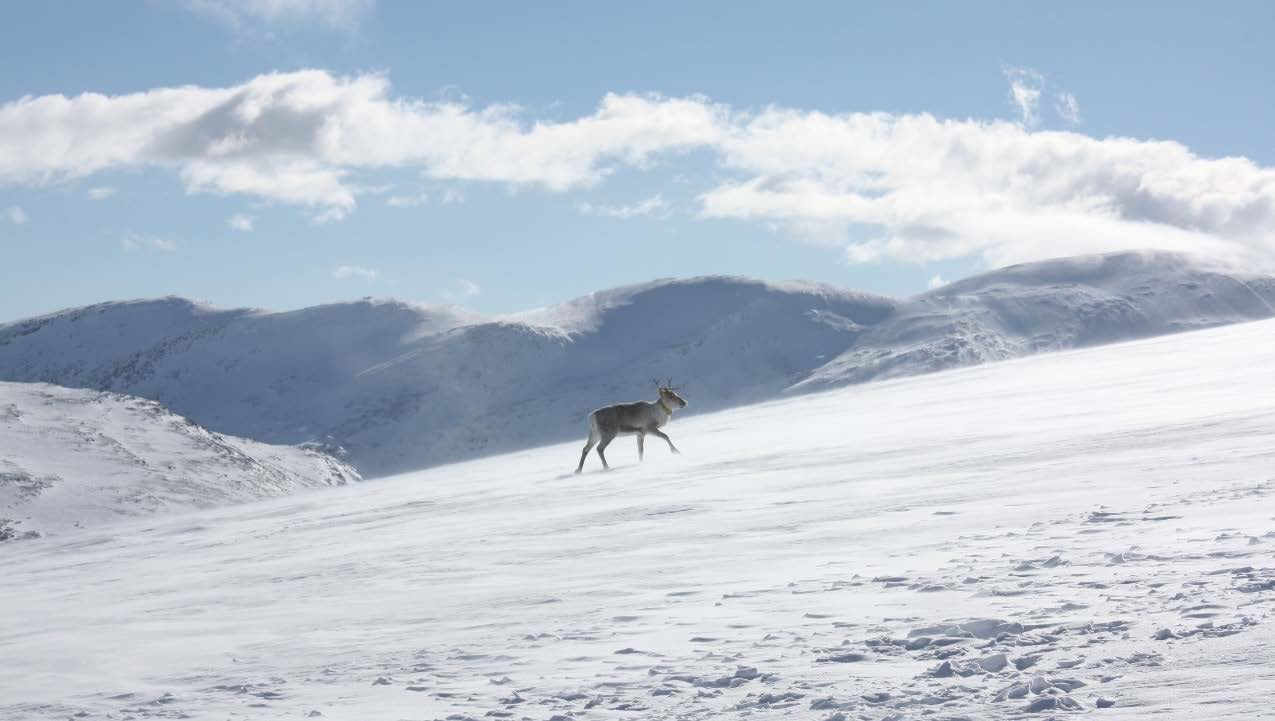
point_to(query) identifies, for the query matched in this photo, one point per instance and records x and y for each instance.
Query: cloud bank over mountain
(911, 187)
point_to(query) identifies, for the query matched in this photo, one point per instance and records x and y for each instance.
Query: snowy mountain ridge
(1047, 306)
(79, 458)
(402, 386)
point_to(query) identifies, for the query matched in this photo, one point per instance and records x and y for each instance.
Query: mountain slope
(997, 542)
(1052, 305)
(76, 458)
(403, 386)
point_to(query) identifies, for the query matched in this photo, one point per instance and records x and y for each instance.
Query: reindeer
(638, 418)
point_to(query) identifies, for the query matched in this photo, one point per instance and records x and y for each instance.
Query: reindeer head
(668, 393)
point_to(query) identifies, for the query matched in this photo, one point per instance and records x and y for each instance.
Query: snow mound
(405, 386)
(75, 458)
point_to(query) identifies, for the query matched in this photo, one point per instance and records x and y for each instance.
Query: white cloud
(329, 215)
(905, 187)
(653, 206)
(1025, 87)
(241, 14)
(16, 215)
(294, 137)
(240, 222)
(381, 189)
(354, 271)
(1067, 107)
(920, 188)
(452, 196)
(137, 242)
(407, 201)
(936, 282)
(101, 192)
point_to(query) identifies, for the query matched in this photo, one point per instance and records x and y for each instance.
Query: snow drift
(76, 459)
(403, 386)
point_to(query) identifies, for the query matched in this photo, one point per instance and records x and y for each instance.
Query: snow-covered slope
(80, 459)
(1004, 541)
(1047, 306)
(401, 386)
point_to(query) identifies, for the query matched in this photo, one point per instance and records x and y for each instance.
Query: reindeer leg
(606, 441)
(664, 435)
(588, 446)
(641, 445)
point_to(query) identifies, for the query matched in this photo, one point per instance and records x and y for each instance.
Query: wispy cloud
(1067, 107)
(329, 215)
(16, 215)
(654, 206)
(1028, 87)
(407, 201)
(101, 192)
(245, 14)
(135, 242)
(460, 289)
(936, 282)
(240, 222)
(346, 272)
(1025, 87)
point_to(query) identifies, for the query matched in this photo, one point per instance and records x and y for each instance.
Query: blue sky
(501, 156)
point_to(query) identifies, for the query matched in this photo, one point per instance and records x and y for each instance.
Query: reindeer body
(625, 419)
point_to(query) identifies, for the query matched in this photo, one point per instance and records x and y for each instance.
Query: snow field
(1010, 540)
